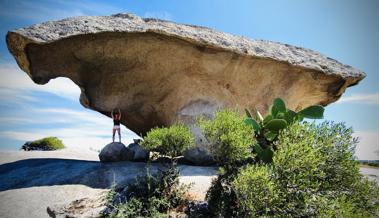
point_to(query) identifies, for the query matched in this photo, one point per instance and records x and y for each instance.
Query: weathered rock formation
(160, 72)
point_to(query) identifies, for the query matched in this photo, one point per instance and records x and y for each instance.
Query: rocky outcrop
(114, 152)
(160, 72)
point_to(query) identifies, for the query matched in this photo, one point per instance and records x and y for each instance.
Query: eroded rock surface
(160, 72)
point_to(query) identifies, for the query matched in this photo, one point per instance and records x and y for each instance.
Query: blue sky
(345, 30)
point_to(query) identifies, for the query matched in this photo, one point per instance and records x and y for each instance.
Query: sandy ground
(32, 181)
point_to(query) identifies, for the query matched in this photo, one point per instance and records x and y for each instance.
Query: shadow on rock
(55, 171)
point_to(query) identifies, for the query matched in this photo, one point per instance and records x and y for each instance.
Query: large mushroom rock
(160, 72)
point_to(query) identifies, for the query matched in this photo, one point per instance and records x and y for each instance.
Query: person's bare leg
(119, 134)
(114, 132)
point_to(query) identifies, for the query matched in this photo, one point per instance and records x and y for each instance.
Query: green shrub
(49, 143)
(170, 141)
(151, 195)
(230, 143)
(340, 207)
(256, 190)
(229, 137)
(222, 199)
(313, 174)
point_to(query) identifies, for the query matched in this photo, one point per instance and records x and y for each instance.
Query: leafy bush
(256, 190)
(278, 118)
(171, 141)
(49, 143)
(313, 174)
(150, 195)
(229, 137)
(340, 207)
(222, 199)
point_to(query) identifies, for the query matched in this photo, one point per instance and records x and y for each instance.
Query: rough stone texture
(139, 153)
(160, 72)
(80, 208)
(32, 181)
(115, 151)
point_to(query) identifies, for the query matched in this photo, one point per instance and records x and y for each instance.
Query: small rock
(116, 151)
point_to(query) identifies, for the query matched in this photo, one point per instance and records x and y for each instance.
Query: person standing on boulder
(116, 116)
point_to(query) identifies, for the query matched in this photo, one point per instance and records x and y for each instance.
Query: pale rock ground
(30, 182)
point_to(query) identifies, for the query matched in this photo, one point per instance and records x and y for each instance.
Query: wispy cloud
(15, 96)
(15, 82)
(164, 15)
(369, 98)
(82, 116)
(368, 145)
(51, 10)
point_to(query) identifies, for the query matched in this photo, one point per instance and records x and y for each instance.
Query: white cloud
(372, 98)
(15, 96)
(164, 15)
(52, 10)
(368, 146)
(85, 115)
(14, 80)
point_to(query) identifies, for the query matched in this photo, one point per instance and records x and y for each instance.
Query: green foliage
(256, 191)
(340, 207)
(171, 141)
(313, 174)
(222, 199)
(264, 154)
(229, 137)
(110, 195)
(279, 117)
(49, 143)
(152, 195)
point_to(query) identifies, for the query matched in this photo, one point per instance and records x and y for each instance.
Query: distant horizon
(343, 30)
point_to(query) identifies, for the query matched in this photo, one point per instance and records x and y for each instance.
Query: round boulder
(116, 151)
